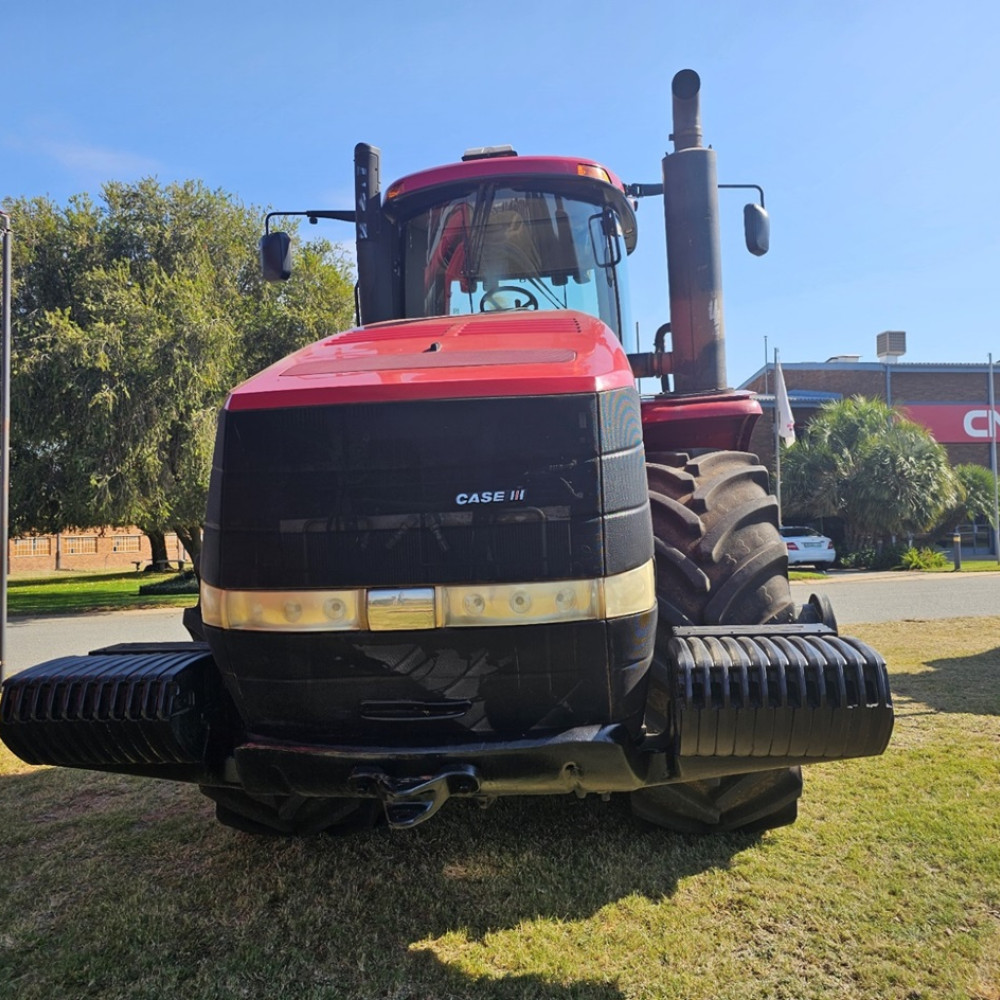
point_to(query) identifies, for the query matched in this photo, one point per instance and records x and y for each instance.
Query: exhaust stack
(694, 267)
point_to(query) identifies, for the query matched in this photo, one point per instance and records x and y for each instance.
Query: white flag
(786, 422)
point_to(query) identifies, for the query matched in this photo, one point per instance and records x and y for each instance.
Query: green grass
(79, 592)
(807, 574)
(888, 886)
(970, 566)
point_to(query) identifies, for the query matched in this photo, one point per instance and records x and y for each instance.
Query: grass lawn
(77, 592)
(971, 566)
(968, 566)
(888, 885)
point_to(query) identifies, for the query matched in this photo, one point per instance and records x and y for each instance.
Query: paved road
(882, 597)
(867, 597)
(36, 639)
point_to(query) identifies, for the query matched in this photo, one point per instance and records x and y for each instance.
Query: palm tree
(862, 461)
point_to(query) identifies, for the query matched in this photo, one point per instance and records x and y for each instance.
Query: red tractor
(453, 552)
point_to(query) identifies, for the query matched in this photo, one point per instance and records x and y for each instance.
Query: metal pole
(777, 441)
(4, 438)
(993, 464)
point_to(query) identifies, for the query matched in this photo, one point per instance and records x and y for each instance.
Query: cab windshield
(499, 248)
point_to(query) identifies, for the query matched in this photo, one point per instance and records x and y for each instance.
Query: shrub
(870, 557)
(183, 583)
(924, 558)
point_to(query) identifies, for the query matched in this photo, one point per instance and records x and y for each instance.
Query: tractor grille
(438, 685)
(428, 492)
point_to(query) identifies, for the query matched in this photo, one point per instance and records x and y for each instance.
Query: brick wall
(89, 549)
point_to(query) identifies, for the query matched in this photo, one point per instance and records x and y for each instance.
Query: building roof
(800, 397)
(870, 366)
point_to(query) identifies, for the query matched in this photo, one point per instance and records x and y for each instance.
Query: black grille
(438, 685)
(407, 493)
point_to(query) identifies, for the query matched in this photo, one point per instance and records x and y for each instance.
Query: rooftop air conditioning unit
(890, 344)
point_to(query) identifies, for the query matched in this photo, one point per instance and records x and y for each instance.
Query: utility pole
(4, 437)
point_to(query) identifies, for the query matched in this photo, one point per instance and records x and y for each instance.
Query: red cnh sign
(952, 423)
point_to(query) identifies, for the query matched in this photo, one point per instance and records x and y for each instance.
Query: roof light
(593, 170)
(487, 152)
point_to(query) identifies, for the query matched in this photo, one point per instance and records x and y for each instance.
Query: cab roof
(504, 162)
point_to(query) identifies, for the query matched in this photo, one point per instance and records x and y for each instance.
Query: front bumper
(734, 700)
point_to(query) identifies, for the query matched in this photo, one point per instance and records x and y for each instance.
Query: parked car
(807, 545)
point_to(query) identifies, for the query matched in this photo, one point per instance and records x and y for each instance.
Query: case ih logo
(952, 423)
(490, 496)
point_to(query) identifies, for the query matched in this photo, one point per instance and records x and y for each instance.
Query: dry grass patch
(888, 885)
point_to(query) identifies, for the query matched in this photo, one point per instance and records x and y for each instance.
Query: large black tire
(291, 815)
(748, 803)
(720, 560)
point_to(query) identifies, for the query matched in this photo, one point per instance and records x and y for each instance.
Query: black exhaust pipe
(691, 209)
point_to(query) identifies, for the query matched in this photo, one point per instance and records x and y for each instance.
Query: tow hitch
(409, 801)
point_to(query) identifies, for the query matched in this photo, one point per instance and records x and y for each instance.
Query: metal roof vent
(890, 344)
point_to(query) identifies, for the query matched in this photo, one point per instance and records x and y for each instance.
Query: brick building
(950, 400)
(91, 549)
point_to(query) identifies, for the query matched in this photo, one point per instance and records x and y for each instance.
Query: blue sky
(873, 127)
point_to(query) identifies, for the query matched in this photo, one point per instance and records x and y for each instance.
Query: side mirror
(605, 236)
(756, 229)
(275, 256)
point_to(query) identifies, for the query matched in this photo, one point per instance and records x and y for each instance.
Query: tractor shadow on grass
(963, 684)
(474, 903)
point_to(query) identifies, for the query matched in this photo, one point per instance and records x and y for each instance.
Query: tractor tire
(744, 803)
(291, 815)
(720, 560)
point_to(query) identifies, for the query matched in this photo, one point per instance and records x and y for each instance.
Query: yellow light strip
(409, 608)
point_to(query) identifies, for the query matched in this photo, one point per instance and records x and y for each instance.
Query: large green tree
(862, 461)
(133, 317)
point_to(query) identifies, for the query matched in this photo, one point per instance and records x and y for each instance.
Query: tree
(976, 497)
(133, 319)
(862, 461)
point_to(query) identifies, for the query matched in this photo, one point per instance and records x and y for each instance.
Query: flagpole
(993, 464)
(5, 230)
(777, 439)
(784, 425)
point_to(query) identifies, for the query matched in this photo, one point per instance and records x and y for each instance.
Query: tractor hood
(517, 353)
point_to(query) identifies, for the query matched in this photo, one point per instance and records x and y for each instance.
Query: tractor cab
(495, 232)
(550, 234)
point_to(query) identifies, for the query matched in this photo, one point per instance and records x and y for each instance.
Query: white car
(806, 545)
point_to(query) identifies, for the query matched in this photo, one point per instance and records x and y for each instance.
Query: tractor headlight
(409, 608)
